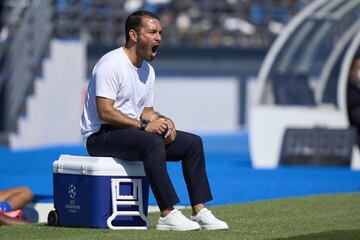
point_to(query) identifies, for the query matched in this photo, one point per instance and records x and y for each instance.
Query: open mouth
(154, 48)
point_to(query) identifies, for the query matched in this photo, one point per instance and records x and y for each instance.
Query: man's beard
(143, 51)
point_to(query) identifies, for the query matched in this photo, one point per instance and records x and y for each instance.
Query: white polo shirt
(115, 77)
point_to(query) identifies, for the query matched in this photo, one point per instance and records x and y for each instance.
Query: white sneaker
(208, 221)
(176, 221)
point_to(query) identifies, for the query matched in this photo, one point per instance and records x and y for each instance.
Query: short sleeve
(107, 80)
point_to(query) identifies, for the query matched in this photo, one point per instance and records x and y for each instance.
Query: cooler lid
(99, 166)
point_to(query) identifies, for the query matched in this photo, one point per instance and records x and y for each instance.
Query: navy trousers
(137, 145)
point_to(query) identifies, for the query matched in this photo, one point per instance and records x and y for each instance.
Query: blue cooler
(100, 192)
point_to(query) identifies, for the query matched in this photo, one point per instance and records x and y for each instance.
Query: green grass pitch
(316, 217)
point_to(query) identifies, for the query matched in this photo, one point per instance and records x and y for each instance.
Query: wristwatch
(143, 124)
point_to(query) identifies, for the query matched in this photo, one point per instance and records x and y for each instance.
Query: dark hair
(133, 21)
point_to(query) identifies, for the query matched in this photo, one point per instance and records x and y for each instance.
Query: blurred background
(263, 82)
(214, 46)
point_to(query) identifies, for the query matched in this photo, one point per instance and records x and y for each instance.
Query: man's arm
(109, 114)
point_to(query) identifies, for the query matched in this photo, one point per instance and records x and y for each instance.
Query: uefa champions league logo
(72, 207)
(72, 191)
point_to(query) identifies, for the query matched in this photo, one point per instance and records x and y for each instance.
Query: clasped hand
(160, 125)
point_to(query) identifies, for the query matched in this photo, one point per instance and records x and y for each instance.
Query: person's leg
(354, 116)
(137, 145)
(189, 148)
(16, 197)
(7, 221)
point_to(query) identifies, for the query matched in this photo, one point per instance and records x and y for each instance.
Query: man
(353, 95)
(119, 121)
(11, 202)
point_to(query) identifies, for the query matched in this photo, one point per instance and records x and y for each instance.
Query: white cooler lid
(97, 166)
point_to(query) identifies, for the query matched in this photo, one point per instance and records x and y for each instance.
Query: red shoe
(14, 214)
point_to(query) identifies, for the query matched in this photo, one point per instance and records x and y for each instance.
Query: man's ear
(133, 35)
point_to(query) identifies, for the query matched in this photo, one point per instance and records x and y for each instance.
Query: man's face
(149, 38)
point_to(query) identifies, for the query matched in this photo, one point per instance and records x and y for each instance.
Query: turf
(316, 217)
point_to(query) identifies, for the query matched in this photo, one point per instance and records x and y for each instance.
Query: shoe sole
(172, 228)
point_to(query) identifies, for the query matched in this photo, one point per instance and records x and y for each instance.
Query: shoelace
(177, 214)
(208, 214)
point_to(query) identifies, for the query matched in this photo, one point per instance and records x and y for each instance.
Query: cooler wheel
(53, 218)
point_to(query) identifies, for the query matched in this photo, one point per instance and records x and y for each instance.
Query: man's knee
(27, 193)
(196, 141)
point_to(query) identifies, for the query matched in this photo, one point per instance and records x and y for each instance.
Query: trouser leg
(189, 148)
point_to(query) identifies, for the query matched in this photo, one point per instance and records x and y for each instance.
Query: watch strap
(143, 124)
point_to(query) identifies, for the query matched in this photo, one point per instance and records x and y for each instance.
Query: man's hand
(157, 126)
(171, 133)
(149, 114)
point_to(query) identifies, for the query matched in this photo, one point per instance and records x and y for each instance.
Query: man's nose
(158, 37)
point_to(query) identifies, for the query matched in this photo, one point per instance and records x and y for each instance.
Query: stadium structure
(300, 110)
